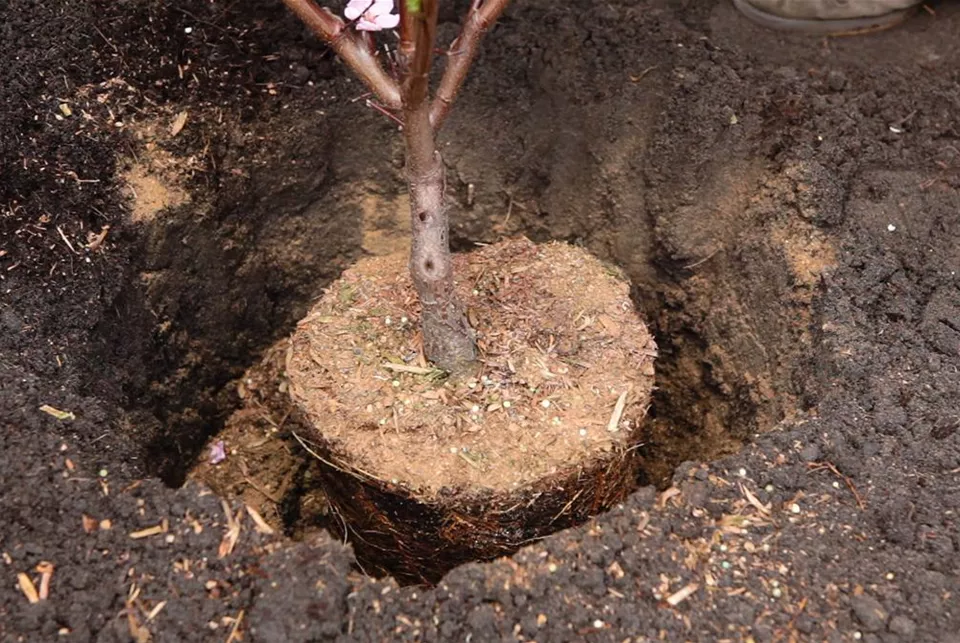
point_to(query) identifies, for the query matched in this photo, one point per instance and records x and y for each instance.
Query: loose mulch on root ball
(428, 470)
(785, 206)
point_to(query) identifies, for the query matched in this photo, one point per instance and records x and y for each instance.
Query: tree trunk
(448, 340)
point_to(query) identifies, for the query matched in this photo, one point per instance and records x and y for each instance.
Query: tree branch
(350, 49)
(418, 32)
(462, 53)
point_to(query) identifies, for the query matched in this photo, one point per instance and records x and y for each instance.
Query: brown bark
(448, 340)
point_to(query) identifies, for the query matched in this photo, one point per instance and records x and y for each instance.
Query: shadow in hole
(212, 285)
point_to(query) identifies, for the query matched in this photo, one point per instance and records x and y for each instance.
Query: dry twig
(819, 466)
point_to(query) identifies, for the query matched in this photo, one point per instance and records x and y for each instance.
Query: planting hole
(216, 288)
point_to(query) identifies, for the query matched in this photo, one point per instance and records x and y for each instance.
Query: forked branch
(462, 53)
(351, 50)
(448, 340)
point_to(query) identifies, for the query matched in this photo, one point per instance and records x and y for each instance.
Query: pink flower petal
(365, 25)
(381, 7)
(388, 20)
(218, 452)
(356, 8)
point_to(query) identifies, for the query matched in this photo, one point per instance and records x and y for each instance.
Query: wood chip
(57, 413)
(679, 596)
(753, 500)
(405, 368)
(151, 531)
(90, 525)
(614, 424)
(178, 123)
(95, 241)
(46, 573)
(232, 535)
(152, 614)
(666, 495)
(28, 588)
(235, 634)
(260, 524)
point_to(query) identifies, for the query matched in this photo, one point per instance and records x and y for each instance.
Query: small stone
(795, 508)
(869, 612)
(810, 453)
(836, 81)
(903, 626)
(762, 633)
(805, 624)
(598, 624)
(545, 404)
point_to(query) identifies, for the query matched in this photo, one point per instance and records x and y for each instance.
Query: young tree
(448, 340)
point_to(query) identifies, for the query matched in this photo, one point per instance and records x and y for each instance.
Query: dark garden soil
(179, 181)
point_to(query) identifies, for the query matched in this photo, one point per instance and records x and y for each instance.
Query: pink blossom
(218, 452)
(372, 15)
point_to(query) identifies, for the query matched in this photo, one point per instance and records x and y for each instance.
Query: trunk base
(428, 472)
